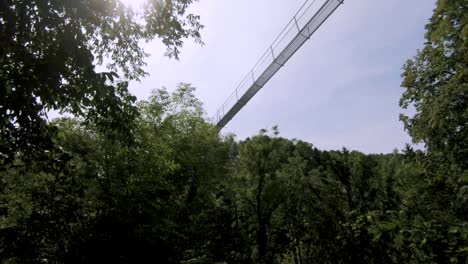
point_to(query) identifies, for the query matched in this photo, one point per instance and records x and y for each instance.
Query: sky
(342, 88)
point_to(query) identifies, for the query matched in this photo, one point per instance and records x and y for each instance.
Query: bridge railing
(301, 23)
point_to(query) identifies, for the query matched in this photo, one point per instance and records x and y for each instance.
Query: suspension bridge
(297, 31)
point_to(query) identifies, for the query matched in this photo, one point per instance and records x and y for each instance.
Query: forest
(117, 180)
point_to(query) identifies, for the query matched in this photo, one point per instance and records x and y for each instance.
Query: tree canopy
(436, 82)
(50, 53)
(121, 181)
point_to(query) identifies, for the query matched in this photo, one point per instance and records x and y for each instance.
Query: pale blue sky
(340, 89)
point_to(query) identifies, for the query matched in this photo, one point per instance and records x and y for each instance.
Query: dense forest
(116, 180)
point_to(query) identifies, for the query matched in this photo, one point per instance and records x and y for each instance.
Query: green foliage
(432, 220)
(436, 82)
(49, 57)
(118, 202)
(153, 182)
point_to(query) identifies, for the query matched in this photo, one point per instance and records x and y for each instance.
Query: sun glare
(134, 4)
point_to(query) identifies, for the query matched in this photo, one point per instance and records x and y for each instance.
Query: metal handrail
(294, 23)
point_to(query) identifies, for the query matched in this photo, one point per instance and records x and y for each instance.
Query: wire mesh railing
(300, 24)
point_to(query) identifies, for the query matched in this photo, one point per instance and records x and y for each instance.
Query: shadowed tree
(49, 57)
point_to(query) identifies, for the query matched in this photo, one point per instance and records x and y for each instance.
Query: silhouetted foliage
(154, 182)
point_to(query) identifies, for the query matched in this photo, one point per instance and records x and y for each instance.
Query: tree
(152, 201)
(261, 190)
(436, 82)
(49, 57)
(432, 219)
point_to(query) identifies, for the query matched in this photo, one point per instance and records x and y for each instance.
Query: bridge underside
(299, 29)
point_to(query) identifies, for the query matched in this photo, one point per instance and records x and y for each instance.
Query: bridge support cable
(300, 28)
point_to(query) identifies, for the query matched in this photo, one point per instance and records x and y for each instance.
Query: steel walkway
(300, 28)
